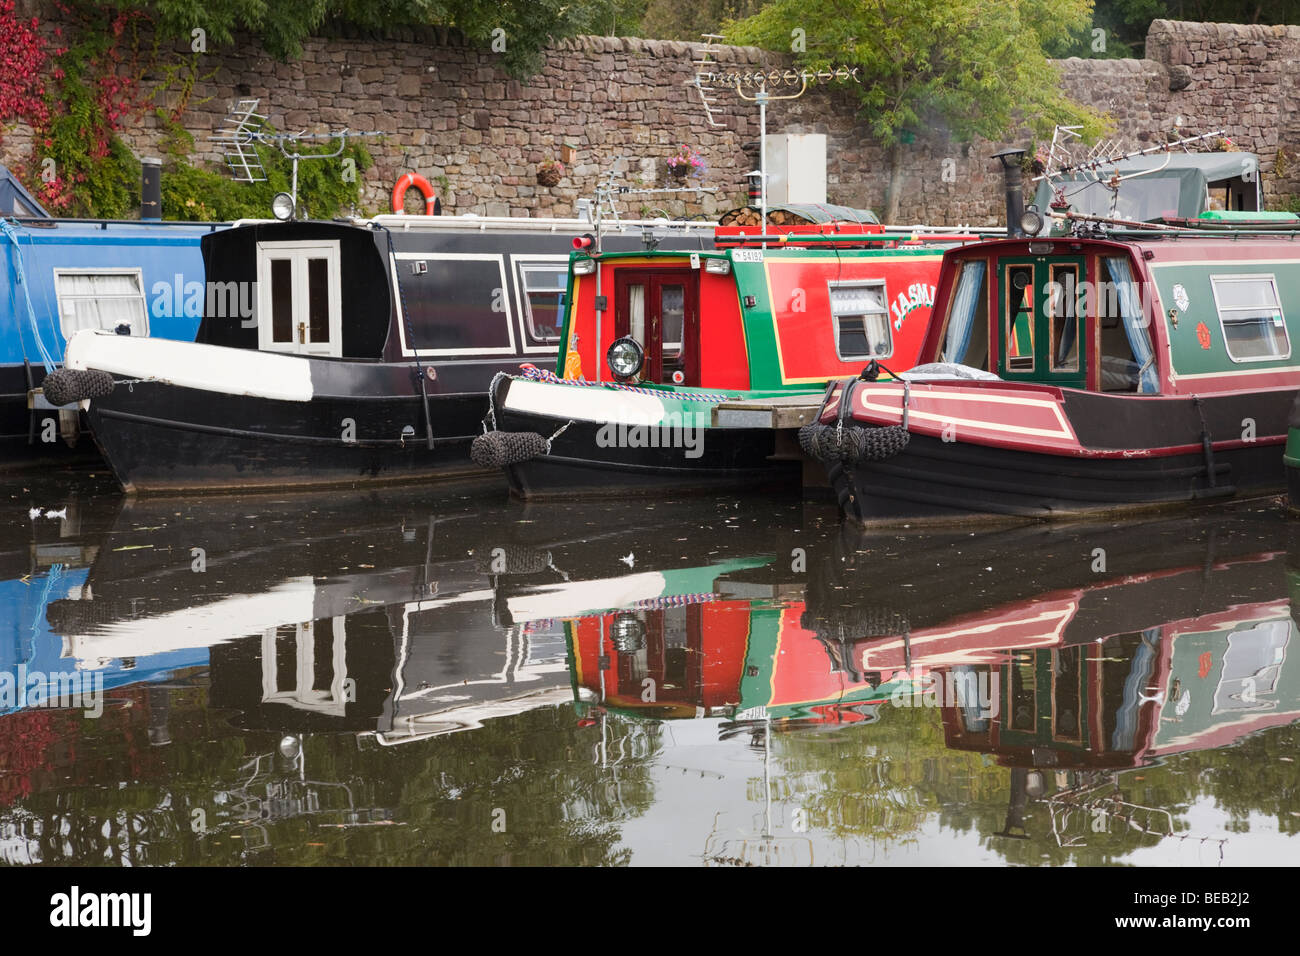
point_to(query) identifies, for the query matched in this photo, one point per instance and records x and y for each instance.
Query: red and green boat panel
(762, 326)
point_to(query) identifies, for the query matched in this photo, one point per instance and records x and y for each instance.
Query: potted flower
(550, 172)
(685, 162)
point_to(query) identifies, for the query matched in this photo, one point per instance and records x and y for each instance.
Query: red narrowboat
(653, 342)
(1102, 370)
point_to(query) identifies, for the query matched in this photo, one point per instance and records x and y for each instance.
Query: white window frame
(498, 258)
(297, 252)
(522, 306)
(831, 286)
(1271, 279)
(142, 328)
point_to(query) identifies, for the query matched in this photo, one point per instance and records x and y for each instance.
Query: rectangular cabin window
(672, 318)
(318, 299)
(861, 318)
(282, 300)
(544, 299)
(967, 338)
(100, 300)
(636, 312)
(459, 304)
(1019, 312)
(1063, 308)
(1024, 691)
(1066, 698)
(1250, 313)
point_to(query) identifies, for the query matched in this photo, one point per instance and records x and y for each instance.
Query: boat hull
(34, 438)
(611, 458)
(1049, 453)
(946, 480)
(164, 438)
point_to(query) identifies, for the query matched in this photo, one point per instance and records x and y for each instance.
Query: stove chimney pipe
(1013, 177)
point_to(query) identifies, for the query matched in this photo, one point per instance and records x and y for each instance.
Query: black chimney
(151, 189)
(1014, 177)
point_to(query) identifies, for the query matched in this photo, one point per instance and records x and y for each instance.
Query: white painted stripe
(291, 602)
(577, 598)
(592, 404)
(1062, 431)
(212, 368)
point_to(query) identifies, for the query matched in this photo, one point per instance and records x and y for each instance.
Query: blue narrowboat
(59, 276)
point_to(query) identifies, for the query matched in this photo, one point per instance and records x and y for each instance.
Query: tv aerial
(243, 130)
(756, 86)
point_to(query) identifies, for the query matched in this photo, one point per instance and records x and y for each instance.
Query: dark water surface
(434, 677)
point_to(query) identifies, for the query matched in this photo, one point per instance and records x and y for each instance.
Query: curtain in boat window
(966, 303)
(1135, 324)
(100, 301)
(1124, 737)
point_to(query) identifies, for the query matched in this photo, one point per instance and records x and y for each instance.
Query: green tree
(518, 29)
(691, 19)
(964, 67)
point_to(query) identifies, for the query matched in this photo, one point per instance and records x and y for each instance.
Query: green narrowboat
(653, 342)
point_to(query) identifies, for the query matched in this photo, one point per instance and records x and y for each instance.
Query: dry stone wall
(454, 115)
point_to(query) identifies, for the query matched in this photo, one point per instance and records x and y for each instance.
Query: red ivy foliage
(22, 64)
(92, 93)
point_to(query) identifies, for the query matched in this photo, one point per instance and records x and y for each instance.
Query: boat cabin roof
(1169, 185)
(1170, 312)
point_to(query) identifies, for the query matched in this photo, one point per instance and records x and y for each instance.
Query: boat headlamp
(1031, 221)
(625, 357)
(584, 267)
(719, 267)
(282, 207)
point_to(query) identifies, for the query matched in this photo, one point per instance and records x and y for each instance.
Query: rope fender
(498, 449)
(68, 385)
(853, 443)
(502, 449)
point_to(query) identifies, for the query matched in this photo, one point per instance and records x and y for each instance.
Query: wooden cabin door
(299, 298)
(661, 311)
(1043, 334)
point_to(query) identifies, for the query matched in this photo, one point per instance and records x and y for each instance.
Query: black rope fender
(67, 385)
(498, 449)
(851, 444)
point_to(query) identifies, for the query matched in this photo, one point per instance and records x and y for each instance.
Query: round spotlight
(1035, 784)
(282, 207)
(625, 357)
(290, 747)
(1031, 221)
(628, 633)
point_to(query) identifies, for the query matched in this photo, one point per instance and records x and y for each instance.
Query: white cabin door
(299, 298)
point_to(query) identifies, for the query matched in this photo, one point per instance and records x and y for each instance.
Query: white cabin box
(796, 168)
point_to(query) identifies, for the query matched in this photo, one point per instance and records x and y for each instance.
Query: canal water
(449, 677)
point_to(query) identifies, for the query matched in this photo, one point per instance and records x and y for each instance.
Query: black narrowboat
(335, 353)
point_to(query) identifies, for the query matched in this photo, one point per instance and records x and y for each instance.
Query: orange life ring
(432, 207)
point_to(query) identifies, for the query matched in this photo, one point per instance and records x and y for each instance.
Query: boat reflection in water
(397, 679)
(1069, 688)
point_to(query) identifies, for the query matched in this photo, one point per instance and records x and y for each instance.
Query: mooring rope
(545, 375)
(12, 235)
